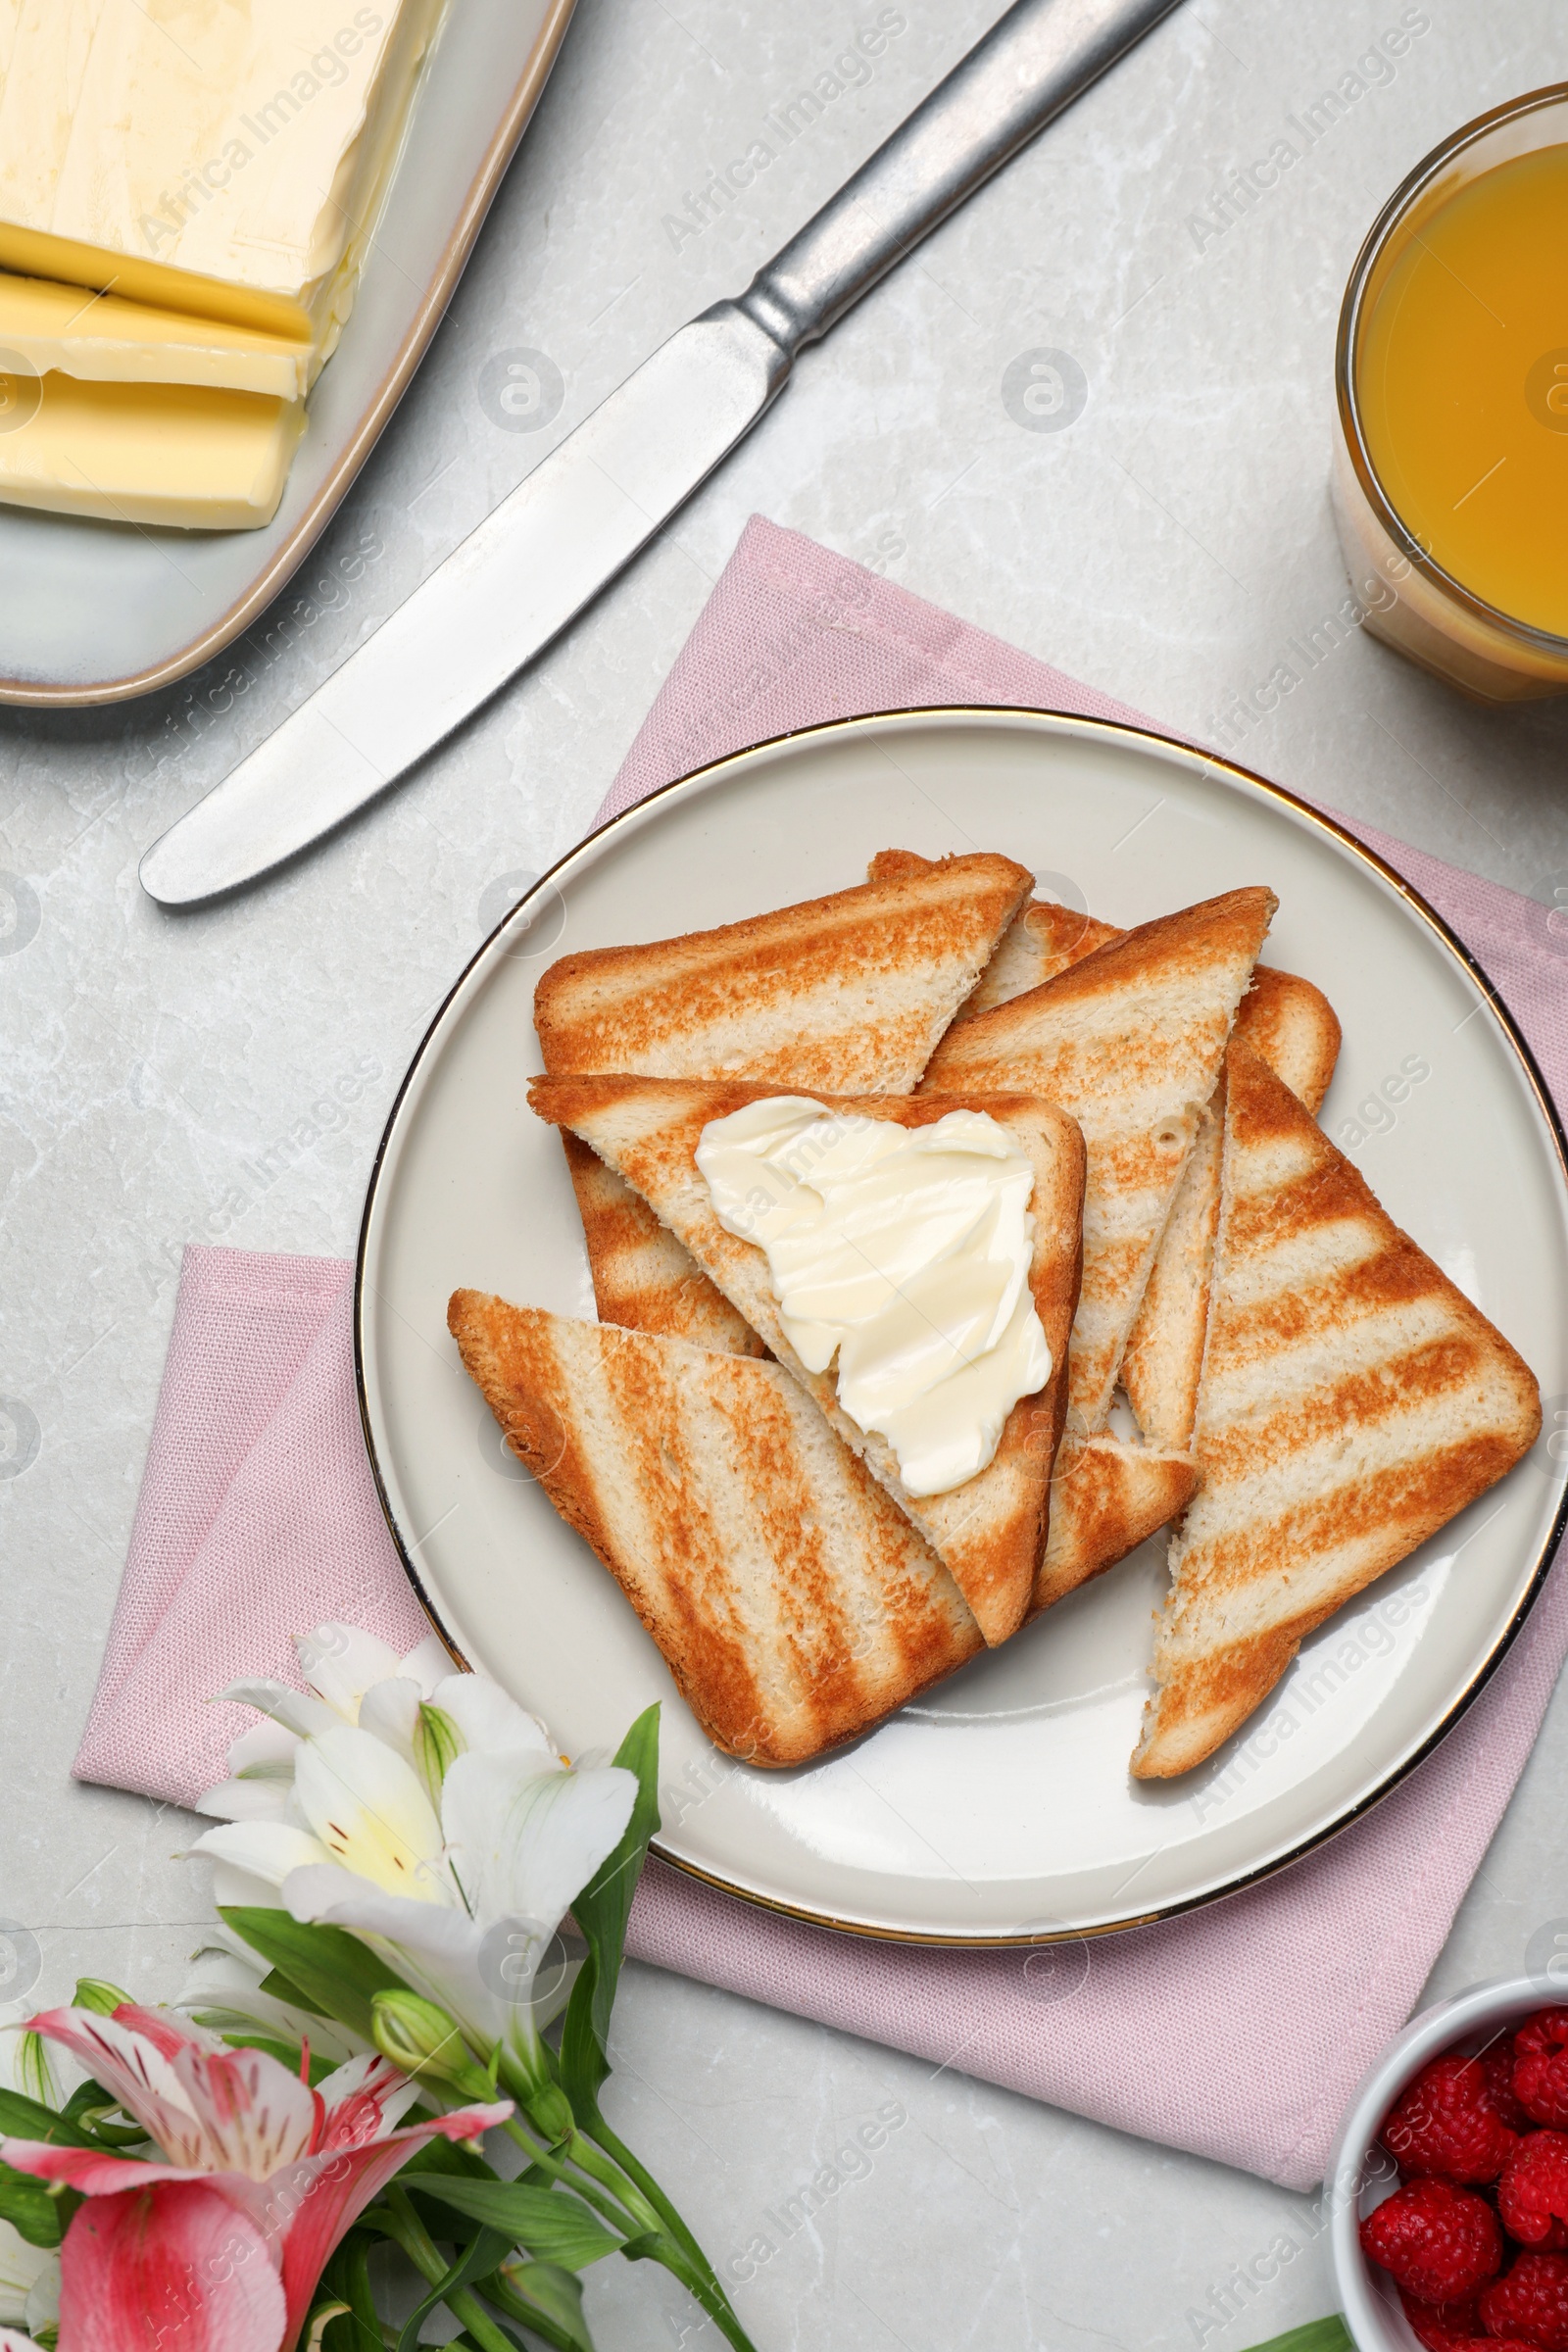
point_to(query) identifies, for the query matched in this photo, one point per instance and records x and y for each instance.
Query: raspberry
(1499, 2062)
(1533, 2194)
(1443, 2326)
(1540, 2066)
(1445, 2123)
(1531, 2303)
(1439, 2241)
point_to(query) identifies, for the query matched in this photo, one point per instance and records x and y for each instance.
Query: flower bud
(95, 1993)
(422, 2039)
(549, 2110)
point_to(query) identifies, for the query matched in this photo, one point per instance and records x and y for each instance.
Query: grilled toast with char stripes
(793, 1602)
(1352, 1400)
(1129, 1041)
(1107, 1496)
(1286, 1020)
(991, 1530)
(643, 1277)
(849, 992)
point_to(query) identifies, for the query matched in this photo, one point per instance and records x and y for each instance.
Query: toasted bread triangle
(1286, 1020)
(644, 1278)
(1352, 1400)
(1130, 1041)
(793, 1602)
(1107, 1496)
(991, 1530)
(849, 992)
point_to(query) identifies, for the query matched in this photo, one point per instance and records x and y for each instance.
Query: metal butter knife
(587, 509)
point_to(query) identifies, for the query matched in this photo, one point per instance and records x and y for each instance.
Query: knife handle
(1034, 61)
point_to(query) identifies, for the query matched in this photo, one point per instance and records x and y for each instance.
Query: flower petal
(20, 2265)
(491, 1721)
(368, 1808)
(522, 1841)
(436, 1948)
(334, 2188)
(258, 2116)
(246, 1801)
(340, 1662)
(172, 2263)
(267, 1849)
(389, 1712)
(240, 1891)
(365, 2100)
(429, 1663)
(299, 1711)
(267, 1746)
(137, 2074)
(94, 2171)
(43, 2300)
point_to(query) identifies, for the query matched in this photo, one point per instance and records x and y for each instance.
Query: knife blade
(587, 509)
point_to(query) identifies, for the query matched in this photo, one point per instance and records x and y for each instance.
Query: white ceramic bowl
(1362, 2174)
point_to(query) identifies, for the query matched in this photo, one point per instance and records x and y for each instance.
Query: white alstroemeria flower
(340, 1663)
(439, 1824)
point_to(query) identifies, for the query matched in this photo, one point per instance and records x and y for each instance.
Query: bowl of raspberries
(1450, 2184)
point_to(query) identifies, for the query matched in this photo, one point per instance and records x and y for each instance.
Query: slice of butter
(171, 454)
(100, 339)
(222, 157)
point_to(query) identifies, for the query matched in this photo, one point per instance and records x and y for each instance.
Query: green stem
(626, 2223)
(621, 2187)
(637, 2171)
(703, 2281)
(422, 2250)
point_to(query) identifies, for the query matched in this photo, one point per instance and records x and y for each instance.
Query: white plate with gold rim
(97, 611)
(999, 1807)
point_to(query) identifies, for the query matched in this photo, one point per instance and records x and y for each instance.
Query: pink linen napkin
(1238, 2033)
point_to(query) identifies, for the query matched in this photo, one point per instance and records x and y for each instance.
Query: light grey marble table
(1166, 546)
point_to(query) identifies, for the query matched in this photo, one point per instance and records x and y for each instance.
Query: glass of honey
(1451, 486)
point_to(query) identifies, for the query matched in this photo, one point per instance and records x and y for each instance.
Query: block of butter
(222, 157)
(99, 338)
(174, 454)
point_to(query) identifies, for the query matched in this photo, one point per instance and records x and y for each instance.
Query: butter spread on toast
(904, 1255)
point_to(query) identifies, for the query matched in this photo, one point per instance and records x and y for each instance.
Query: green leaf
(602, 1911)
(336, 1972)
(29, 2118)
(478, 2260)
(1318, 2335)
(542, 2221)
(450, 2156)
(26, 2203)
(282, 1989)
(347, 2280)
(556, 2296)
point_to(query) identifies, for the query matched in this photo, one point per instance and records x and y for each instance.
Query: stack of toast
(1243, 1344)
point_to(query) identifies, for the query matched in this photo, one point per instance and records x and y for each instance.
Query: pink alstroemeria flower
(218, 2248)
